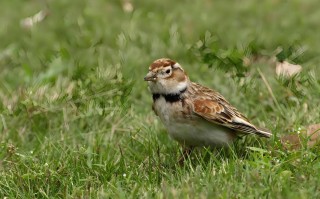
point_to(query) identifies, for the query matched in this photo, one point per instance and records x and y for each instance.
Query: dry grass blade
(270, 91)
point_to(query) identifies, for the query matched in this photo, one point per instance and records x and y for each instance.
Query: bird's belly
(201, 134)
(191, 130)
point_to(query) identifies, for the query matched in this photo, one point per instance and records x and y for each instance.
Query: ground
(75, 113)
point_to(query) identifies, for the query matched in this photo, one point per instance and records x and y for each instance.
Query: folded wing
(219, 111)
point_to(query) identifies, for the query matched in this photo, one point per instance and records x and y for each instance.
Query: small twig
(122, 156)
(120, 149)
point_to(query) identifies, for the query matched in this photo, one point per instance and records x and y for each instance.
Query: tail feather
(244, 126)
(264, 133)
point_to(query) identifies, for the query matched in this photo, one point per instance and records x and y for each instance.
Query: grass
(75, 114)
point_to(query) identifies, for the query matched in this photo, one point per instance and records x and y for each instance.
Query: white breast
(194, 132)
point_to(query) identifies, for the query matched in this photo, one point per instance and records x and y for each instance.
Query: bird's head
(166, 76)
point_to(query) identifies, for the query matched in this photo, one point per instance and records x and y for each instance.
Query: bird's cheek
(153, 86)
(169, 83)
(152, 83)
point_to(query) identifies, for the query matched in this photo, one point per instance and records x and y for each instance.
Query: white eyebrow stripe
(177, 65)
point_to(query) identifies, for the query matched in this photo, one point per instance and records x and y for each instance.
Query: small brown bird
(193, 114)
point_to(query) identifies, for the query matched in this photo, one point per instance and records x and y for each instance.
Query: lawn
(75, 113)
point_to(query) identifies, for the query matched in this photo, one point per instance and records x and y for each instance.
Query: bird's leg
(186, 153)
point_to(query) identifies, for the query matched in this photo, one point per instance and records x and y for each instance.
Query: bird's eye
(168, 71)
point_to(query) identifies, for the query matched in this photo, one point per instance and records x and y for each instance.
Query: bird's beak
(150, 77)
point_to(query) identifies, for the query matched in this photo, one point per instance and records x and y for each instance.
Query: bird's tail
(264, 133)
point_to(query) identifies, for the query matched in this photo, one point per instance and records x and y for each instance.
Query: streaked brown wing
(222, 113)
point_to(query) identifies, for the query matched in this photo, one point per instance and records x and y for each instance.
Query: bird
(194, 115)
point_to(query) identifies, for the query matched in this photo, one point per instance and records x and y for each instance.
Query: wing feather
(211, 106)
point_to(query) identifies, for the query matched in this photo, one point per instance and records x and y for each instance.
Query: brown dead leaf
(291, 142)
(313, 132)
(287, 69)
(295, 141)
(127, 6)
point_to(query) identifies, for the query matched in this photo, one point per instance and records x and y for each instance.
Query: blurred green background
(75, 114)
